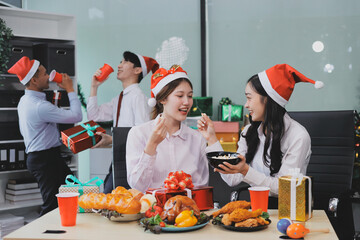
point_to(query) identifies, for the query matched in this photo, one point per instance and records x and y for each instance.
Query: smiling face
(177, 105)
(126, 70)
(255, 103)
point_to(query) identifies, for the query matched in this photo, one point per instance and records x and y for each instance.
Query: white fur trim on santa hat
(143, 65)
(265, 82)
(169, 78)
(31, 73)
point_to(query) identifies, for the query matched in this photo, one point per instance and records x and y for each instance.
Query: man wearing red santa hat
(127, 109)
(38, 120)
(273, 143)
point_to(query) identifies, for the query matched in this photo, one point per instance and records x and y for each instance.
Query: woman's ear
(265, 99)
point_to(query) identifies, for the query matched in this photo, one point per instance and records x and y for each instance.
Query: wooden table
(93, 226)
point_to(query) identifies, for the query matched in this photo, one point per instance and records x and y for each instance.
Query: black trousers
(50, 171)
(109, 182)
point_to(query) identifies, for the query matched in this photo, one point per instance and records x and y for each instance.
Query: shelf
(11, 206)
(35, 27)
(11, 141)
(14, 171)
(48, 26)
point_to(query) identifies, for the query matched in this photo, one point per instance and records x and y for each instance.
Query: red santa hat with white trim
(25, 69)
(279, 82)
(161, 78)
(147, 64)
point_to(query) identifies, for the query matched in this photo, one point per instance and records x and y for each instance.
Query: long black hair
(273, 129)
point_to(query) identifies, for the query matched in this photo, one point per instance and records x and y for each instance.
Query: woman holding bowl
(273, 143)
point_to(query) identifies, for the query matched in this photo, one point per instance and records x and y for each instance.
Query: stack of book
(23, 191)
(9, 223)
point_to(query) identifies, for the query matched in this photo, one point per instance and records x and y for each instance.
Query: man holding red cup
(130, 107)
(38, 120)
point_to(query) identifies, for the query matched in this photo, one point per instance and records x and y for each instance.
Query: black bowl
(214, 161)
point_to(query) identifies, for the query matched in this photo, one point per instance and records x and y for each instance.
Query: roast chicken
(231, 206)
(175, 205)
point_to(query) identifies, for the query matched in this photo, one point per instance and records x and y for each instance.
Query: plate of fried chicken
(236, 216)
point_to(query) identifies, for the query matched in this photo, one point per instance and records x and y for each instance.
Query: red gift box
(203, 196)
(82, 136)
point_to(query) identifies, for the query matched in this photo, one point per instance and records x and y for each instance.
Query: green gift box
(201, 105)
(230, 113)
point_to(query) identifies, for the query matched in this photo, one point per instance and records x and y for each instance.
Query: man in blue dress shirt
(38, 120)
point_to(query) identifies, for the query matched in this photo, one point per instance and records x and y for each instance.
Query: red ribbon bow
(162, 72)
(178, 180)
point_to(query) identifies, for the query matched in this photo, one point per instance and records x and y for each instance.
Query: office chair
(331, 166)
(119, 176)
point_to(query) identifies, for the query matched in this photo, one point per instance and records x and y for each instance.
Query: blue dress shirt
(38, 119)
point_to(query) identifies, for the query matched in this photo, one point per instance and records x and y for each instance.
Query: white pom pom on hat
(319, 84)
(152, 102)
(279, 82)
(161, 78)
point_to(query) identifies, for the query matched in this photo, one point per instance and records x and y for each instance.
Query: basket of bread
(119, 205)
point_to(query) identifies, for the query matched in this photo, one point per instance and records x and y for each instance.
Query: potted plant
(5, 46)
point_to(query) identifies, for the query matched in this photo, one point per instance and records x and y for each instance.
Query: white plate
(118, 217)
(126, 217)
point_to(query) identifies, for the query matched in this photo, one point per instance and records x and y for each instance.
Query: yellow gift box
(78, 187)
(229, 146)
(295, 197)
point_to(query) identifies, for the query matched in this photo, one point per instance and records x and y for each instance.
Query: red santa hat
(279, 82)
(161, 78)
(147, 64)
(25, 69)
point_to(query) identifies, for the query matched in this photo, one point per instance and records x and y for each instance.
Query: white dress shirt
(134, 108)
(296, 149)
(38, 118)
(183, 150)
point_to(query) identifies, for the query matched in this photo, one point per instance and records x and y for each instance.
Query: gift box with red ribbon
(82, 136)
(180, 183)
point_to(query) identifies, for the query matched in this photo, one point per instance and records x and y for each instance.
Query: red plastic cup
(55, 77)
(68, 207)
(105, 72)
(259, 198)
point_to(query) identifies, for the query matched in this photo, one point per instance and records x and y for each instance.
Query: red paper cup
(68, 206)
(259, 197)
(105, 72)
(55, 77)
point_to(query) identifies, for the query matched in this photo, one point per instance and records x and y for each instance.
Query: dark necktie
(118, 108)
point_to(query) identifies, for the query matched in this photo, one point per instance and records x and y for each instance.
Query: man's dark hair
(133, 58)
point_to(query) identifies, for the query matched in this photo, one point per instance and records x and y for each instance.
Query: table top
(94, 226)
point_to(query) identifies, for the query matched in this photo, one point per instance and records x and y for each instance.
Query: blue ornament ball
(283, 224)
